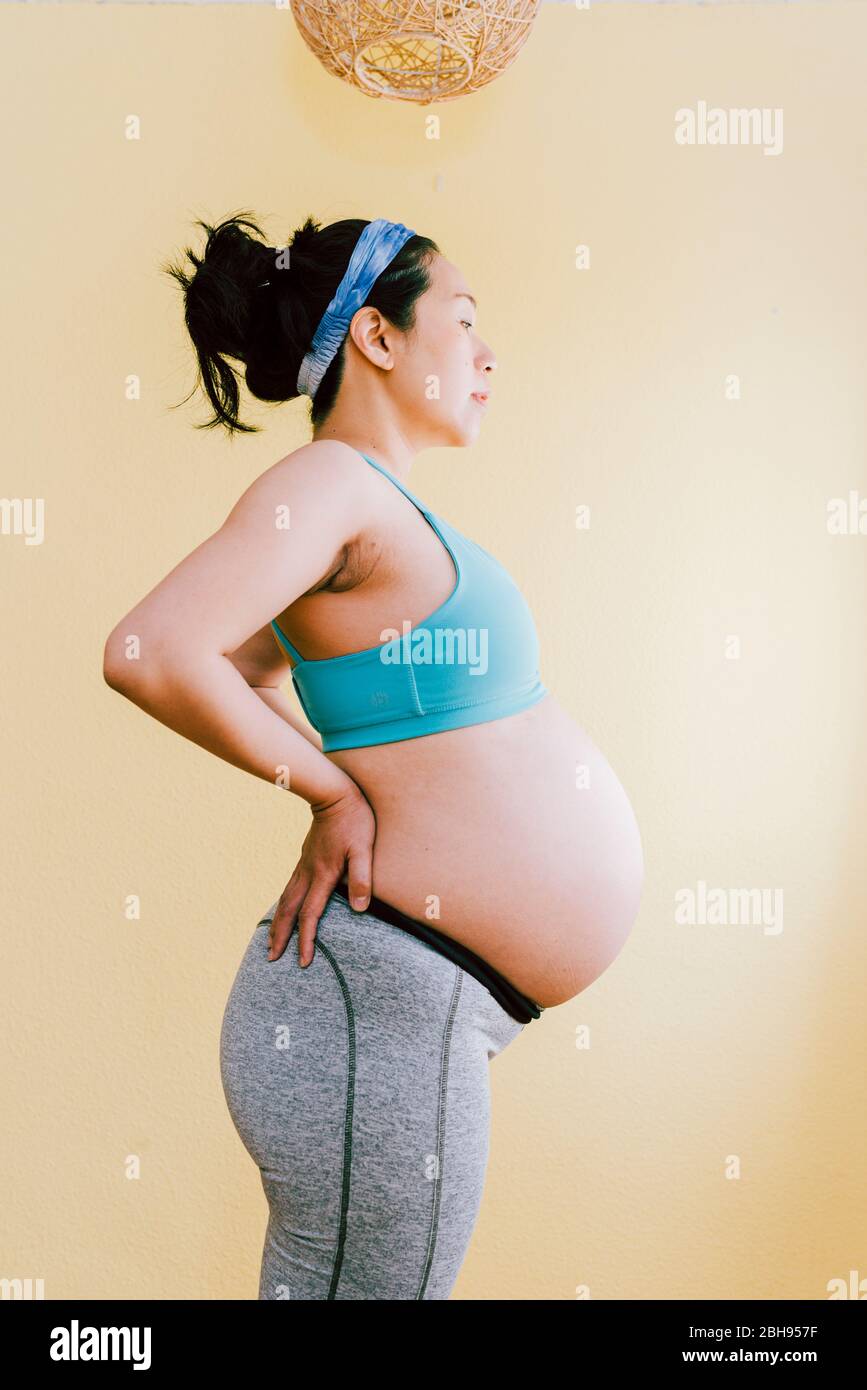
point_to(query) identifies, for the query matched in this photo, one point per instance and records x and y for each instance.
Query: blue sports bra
(475, 659)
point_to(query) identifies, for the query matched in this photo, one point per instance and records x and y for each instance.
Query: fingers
(303, 902)
(308, 918)
(279, 933)
(283, 921)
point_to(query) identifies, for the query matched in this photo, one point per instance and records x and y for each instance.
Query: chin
(468, 430)
(461, 430)
(465, 437)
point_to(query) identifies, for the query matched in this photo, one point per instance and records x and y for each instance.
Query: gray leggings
(359, 1086)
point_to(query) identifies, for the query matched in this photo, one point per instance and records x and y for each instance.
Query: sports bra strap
(391, 477)
(293, 651)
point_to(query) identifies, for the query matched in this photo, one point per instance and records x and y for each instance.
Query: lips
(481, 397)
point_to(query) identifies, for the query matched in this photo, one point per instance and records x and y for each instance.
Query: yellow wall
(608, 1165)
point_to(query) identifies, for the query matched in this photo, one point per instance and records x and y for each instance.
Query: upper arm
(277, 542)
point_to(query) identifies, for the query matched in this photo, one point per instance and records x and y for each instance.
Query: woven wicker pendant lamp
(416, 50)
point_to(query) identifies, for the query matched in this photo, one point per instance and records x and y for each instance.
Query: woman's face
(443, 362)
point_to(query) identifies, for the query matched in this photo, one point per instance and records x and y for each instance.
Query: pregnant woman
(471, 859)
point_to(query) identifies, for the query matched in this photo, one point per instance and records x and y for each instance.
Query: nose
(486, 360)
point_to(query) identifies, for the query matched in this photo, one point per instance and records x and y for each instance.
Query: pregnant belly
(513, 837)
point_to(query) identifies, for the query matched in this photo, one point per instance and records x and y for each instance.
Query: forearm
(212, 705)
(277, 700)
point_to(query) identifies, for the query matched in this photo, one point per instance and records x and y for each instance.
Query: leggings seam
(347, 1123)
(441, 1126)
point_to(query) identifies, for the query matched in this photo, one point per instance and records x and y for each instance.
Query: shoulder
(326, 481)
(323, 463)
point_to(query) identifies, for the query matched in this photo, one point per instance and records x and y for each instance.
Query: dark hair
(229, 312)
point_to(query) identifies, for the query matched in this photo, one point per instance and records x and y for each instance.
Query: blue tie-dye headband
(377, 246)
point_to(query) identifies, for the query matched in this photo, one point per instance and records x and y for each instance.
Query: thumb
(359, 874)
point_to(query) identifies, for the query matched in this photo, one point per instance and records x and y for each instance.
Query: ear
(373, 335)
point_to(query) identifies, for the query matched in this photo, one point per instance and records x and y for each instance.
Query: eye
(466, 324)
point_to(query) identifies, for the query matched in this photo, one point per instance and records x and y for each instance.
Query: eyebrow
(462, 294)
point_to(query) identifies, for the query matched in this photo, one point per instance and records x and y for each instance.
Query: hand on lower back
(340, 836)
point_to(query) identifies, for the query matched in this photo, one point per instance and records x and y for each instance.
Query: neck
(368, 422)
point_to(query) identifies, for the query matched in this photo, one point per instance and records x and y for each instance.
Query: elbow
(112, 678)
(115, 677)
(111, 664)
(144, 678)
(118, 668)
